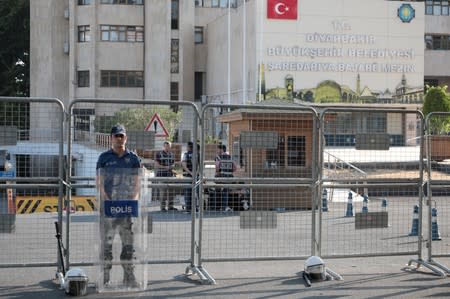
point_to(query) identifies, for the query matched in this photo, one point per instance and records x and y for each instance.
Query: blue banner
(121, 208)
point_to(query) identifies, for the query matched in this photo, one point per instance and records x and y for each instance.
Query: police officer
(117, 184)
(187, 164)
(164, 163)
(225, 167)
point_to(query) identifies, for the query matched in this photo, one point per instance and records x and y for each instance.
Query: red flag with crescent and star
(282, 9)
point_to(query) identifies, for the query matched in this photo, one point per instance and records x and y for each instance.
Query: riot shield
(122, 229)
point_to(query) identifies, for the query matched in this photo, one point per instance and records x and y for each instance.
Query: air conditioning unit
(66, 13)
(66, 47)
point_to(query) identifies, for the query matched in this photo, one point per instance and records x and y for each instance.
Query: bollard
(435, 235)
(415, 222)
(349, 212)
(325, 200)
(365, 208)
(384, 205)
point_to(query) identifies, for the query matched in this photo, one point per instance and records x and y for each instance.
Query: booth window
(275, 157)
(296, 151)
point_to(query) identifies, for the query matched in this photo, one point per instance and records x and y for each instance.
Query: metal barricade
(148, 124)
(259, 191)
(31, 180)
(372, 182)
(438, 186)
(288, 183)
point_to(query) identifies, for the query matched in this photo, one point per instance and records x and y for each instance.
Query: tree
(14, 62)
(14, 52)
(437, 100)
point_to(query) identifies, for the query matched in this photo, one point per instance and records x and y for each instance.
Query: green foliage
(437, 99)
(14, 52)
(211, 140)
(135, 119)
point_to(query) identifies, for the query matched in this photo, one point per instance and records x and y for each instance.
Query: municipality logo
(406, 13)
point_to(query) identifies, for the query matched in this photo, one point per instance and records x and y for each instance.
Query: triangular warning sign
(156, 125)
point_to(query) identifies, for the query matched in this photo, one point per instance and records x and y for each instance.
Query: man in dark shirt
(225, 167)
(117, 179)
(164, 164)
(187, 163)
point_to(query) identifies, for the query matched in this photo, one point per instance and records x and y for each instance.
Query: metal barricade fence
(148, 125)
(258, 195)
(371, 182)
(438, 186)
(348, 183)
(32, 175)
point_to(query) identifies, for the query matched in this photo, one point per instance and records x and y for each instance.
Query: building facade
(183, 50)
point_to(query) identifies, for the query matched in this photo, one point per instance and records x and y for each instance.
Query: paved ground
(381, 277)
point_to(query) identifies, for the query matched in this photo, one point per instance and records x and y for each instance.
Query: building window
(437, 42)
(84, 2)
(84, 33)
(82, 119)
(199, 3)
(198, 85)
(376, 123)
(174, 95)
(122, 79)
(83, 78)
(223, 3)
(296, 151)
(276, 156)
(175, 14)
(174, 56)
(437, 7)
(430, 83)
(114, 33)
(129, 2)
(198, 37)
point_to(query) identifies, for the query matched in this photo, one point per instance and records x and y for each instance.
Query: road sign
(155, 124)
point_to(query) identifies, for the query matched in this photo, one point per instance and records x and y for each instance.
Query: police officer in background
(164, 163)
(225, 167)
(115, 184)
(187, 164)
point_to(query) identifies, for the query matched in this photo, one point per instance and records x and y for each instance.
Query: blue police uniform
(225, 169)
(188, 159)
(118, 185)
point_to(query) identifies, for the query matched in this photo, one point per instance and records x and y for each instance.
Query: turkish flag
(282, 9)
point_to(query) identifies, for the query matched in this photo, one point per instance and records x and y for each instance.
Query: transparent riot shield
(122, 230)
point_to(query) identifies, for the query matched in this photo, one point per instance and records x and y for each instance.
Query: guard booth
(7, 196)
(273, 144)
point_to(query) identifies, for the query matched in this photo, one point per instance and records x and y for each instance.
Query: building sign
(359, 51)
